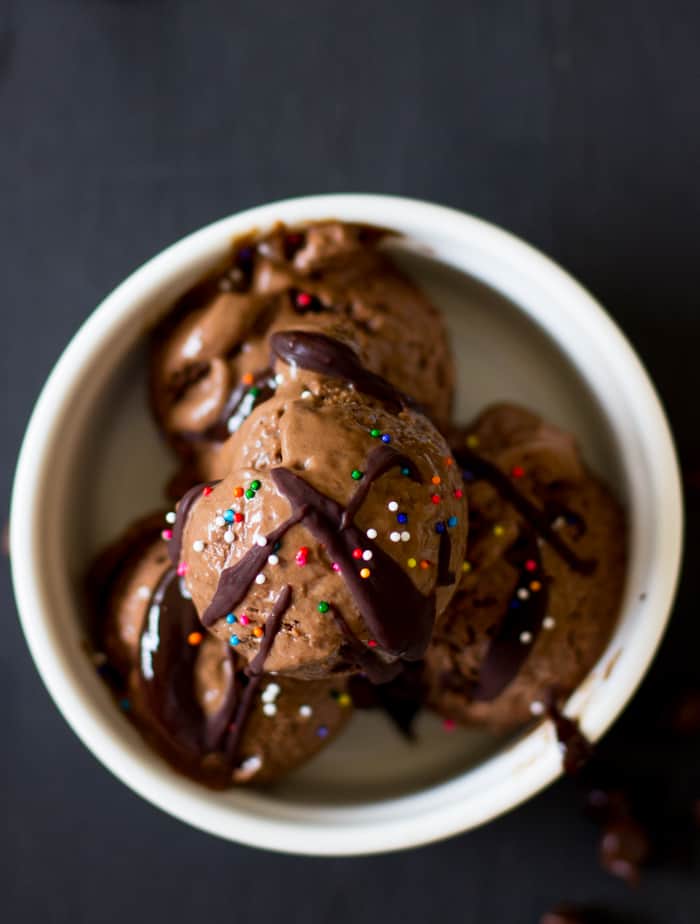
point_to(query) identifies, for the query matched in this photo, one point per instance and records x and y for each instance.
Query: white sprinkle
(393, 506)
(143, 592)
(558, 523)
(270, 709)
(261, 541)
(526, 637)
(260, 579)
(197, 545)
(273, 560)
(251, 764)
(395, 537)
(170, 517)
(405, 536)
(371, 533)
(536, 707)
(225, 285)
(367, 555)
(306, 393)
(305, 711)
(228, 536)
(271, 691)
(548, 622)
(523, 593)
(279, 378)
(220, 521)
(184, 592)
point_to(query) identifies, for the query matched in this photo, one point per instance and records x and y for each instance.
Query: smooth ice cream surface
(211, 355)
(342, 493)
(188, 692)
(544, 574)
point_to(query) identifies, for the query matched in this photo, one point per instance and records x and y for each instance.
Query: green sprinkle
(324, 606)
(250, 494)
(374, 433)
(357, 474)
(255, 485)
(254, 392)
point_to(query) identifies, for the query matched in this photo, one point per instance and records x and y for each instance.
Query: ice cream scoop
(188, 692)
(543, 582)
(211, 362)
(342, 510)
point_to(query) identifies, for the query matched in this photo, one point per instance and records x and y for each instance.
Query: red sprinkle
(238, 517)
(357, 553)
(449, 725)
(302, 555)
(459, 493)
(303, 299)
(531, 565)
(517, 471)
(371, 642)
(206, 491)
(435, 498)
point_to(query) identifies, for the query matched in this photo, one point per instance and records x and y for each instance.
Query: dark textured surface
(124, 125)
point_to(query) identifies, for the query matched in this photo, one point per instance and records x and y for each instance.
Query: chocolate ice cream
(211, 357)
(338, 532)
(543, 581)
(188, 692)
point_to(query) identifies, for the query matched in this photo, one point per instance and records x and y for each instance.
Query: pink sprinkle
(243, 619)
(336, 567)
(303, 299)
(449, 725)
(167, 534)
(182, 569)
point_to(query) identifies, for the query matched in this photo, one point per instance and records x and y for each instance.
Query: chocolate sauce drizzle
(398, 616)
(536, 518)
(237, 408)
(184, 507)
(509, 648)
(330, 357)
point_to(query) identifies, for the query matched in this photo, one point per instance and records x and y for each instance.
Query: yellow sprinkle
(412, 563)
(498, 530)
(466, 567)
(365, 573)
(344, 700)
(472, 441)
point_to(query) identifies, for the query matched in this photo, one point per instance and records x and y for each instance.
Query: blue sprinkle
(467, 475)
(514, 604)
(228, 516)
(386, 438)
(440, 527)
(322, 731)
(234, 640)
(230, 618)
(402, 517)
(125, 704)
(452, 521)
(405, 470)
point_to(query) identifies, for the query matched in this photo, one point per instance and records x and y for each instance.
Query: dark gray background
(124, 125)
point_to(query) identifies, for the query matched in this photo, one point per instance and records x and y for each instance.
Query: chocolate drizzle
(521, 622)
(237, 408)
(537, 520)
(166, 666)
(330, 357)
(255, 671)
(445, 576)
(184, 507)
(398, 616)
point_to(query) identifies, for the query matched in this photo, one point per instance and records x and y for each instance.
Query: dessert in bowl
(521, 331)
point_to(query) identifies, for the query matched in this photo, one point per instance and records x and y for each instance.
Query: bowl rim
(493, 786)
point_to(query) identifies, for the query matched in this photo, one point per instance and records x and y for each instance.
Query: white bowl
(523, 330)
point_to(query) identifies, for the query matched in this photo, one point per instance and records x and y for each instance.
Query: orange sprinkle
(424, 564)
(258, 632)
(248, 378)
(449, 461)
(535, 585)
(194, 638)
(365, 573)
(238, 492)
(436, 479)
